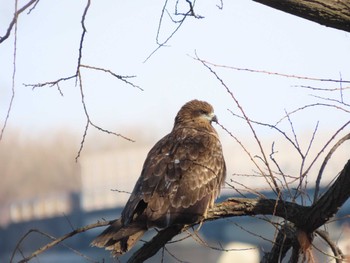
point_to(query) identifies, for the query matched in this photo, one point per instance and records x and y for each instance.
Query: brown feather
(181, 178)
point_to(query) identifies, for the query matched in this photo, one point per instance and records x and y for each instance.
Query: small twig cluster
(77, 76)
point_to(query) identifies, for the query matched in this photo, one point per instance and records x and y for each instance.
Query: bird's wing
(180, 170)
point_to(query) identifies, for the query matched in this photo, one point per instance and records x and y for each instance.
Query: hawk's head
(197, 113)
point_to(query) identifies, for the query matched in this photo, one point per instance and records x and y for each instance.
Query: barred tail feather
(119, 238)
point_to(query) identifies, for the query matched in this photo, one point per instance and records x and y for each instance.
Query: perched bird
(180, 180)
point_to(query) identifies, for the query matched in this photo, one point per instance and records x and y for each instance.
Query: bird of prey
(180, 180)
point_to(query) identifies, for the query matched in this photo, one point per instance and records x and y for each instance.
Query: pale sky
(122, 34)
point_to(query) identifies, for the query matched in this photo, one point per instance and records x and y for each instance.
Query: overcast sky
(122, 34)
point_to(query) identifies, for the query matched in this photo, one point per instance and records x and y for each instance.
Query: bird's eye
(203, 112)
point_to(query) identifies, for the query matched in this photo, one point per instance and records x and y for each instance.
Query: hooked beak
(213, 118)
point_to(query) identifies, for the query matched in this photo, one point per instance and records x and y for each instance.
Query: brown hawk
(180, 179)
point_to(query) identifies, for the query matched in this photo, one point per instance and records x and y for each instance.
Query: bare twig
(56, 240)
(82, 36)
(244, 148)
(283, 242)
(172, 255)
(325, 146)
(341, 89)
(15, 19)
(121, 191)
(120, 77)
(313, 105)
(341, 101)
(274, 73)
(155, 244)
(89, 122)
(321, 89)
(329, 203)
(49, 83)
(304, 174)
(197, 238)
(77, 76)
(293, 131)
(284, 176)
(51, 238)
(275, 128)
(179, 23)
(266, 162)
(13, 74)
(338, 254)
(308, 219)
(325, 161)
(221, 5)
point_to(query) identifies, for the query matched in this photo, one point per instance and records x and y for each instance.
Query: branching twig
(244, 148)
(307, 219)
(284, 176)
(327, 158)
(13, 74)
(120, 77)
(49, 83)
(338, 254)
(325, 146)
(284, 134)
(56, 240)
(82, 36)
(321, 89)
(77, 76)
(332, 100)
(89, 122)
(299, 215)
(313, 105)
(304, 174)
(15, 19)
(179, 23)
(275, 187)
(275, 73)
(155, 244)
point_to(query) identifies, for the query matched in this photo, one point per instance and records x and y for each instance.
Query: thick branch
(55, 241)
(246, 206)
(229, 208)
(152, 247)
(331, 13)
(283, 242)
(306, 218)
(329, 203)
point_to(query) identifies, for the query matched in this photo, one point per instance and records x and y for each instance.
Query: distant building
(43, 207)
(108, 177)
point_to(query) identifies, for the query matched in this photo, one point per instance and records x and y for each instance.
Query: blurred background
(43, 186)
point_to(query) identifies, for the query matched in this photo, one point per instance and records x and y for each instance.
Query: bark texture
(330, 13)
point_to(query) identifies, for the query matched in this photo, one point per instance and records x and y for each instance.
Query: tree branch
(329, 203)
(229, 208)
(14, 20)
(330, 13)
(56, 241)
(307, 219)
(284, 241)
(338, 255)
(299, 219)
(152, 247)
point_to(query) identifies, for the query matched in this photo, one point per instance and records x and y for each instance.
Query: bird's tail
(119, 238)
